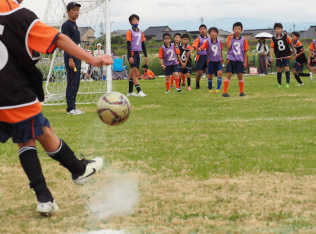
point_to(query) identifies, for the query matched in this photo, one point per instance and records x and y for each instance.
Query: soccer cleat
(279, 86)
(226, 95)
(46, 208)
(132, 94)
(92, 167)
(79, 111)
(300, 84)
(242, 94)
(310, 76)
(183, 85)
(90, 80)
(167, 91)
(178, 89)
(217, 91)
(189, 88)
(287, 85)
(141, 94)
(197, 87)
(210, 91)
(74, 112)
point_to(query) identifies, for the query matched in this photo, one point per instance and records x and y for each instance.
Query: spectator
(99, 53)
(148, 74)
(72, 64)
(86, 68)
(262, 50)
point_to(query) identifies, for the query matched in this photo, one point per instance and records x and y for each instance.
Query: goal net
(93, 30)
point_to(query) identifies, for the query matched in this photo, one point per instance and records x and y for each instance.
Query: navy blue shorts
(170, 70)
(23, 131)
(136, 58)
(283, 63)
(298, 67)
(184, 70)
(214, 67)
(235, 67)
(201, 64)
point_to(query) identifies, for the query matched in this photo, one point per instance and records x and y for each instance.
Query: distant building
(154, 31)
(119, 32)
(250, 33)
(159, 37)
(309, 33)
(222, 34)
(87, 34)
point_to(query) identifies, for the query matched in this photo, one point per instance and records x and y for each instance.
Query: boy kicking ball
(21, 115)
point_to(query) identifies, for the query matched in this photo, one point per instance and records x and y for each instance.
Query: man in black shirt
(72, 64)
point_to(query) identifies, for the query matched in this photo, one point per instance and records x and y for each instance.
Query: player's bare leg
(198, 78)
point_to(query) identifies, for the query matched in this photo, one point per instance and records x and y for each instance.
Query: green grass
(206, 164)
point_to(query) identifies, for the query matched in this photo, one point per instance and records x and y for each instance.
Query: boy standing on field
(135, 44)
(185, 60)
(299, 60)
(177, 42)
(21, 90)
(201, 57)
(237, 47)
(280, 45)
(168, 60)
(311, 57)
(214, 48)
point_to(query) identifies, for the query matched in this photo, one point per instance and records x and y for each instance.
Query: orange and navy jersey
(22, 36)
(149, 73)
(298, 46)
(281, 51)
(197, 42)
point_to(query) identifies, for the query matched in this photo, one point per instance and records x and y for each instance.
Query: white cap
(99, 44)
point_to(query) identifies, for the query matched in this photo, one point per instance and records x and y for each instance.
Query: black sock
(33, 170)
(287, 75)
(279, 76)
(130, 85)
(67, 158)
(189, 81)
(303, 74)
(197, 84)
(298, 79)
(138, 88)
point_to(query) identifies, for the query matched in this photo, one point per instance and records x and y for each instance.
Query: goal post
(94, 25)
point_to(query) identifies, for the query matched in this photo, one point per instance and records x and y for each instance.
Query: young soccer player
(148, 74)
(135, 44)
(280, 45)
(168, 60)
(201, 56)
(311, 57)
(177, 42)
(237, 47)
(21, 90)
(214, 48)
(299, 60)
(185, 60)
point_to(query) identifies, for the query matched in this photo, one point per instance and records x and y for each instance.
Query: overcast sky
(171, 12)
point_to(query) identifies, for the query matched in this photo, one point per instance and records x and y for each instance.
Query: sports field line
(237, 120)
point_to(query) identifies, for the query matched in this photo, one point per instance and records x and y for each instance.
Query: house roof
(83, 30)
(172, 33)
(120, 32)
(254, 32)
(222, 32)
(153, 31)
(309, 33)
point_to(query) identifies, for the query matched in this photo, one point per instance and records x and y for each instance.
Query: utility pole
(201, 19)
(294, 26)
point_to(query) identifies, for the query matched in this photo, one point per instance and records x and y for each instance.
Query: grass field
(203, 163)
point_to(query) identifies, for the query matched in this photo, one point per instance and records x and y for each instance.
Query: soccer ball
(113, 108)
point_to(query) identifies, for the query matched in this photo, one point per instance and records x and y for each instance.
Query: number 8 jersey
(281, 46)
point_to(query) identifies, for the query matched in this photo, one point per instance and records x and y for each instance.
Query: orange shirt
(196, 43)
(312, 46)
(129, 36)
(40, 38)
(161, 54)
(206, 45)
(246, 45)
(149, 73)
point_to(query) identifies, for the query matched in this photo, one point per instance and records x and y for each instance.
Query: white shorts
(84, 67)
